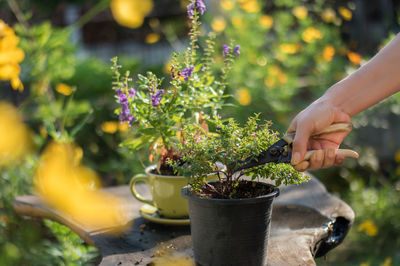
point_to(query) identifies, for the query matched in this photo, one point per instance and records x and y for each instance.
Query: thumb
(300, 142)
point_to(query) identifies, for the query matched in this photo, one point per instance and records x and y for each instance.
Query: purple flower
(236, 50)
(124, 115)
(156, 98)
(225, 50)
(187, 72)
(199, 4)
(132, 93)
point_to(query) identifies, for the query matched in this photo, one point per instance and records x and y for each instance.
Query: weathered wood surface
(307, 222)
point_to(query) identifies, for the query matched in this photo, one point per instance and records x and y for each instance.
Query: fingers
(301, 167)
(320, 159)
(300, 143)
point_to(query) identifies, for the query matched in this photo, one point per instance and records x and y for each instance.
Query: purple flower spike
(199, 4)
(187, 72)
(190, 10)
(236, 50)
(132, 93)
(156, 98)
(225, 50)
(124, 115)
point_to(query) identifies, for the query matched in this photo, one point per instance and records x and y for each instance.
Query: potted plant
(157, 112)
(230, 218)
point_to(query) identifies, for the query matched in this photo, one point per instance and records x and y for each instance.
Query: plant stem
(88, 16)
(18, 13)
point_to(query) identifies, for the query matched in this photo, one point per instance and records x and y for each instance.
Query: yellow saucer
(151, 214)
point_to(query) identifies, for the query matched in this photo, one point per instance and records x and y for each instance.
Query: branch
(18, 13)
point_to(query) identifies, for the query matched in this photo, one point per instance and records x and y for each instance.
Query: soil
(244, 189)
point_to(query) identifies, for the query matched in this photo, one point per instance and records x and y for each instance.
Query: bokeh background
(291, 52)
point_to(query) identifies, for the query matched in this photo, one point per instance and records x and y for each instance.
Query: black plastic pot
(230, 231)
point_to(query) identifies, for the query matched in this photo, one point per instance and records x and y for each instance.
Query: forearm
(371, 83)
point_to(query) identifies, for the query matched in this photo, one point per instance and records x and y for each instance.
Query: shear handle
(337, 127)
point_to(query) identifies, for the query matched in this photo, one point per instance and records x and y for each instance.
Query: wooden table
(307, 222)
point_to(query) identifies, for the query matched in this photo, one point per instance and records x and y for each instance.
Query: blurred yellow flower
(10, 56)
(328, 53)
(244, 96)
(123, 127)
(354, 58)
(266, 21)
(368, 227)
(282, 78)
(152, 38)
(43, 131)
(290, 48)
(130, 13)
(311, 34)
(269, 81)
(167, 68)
(300, 12)
(262, 61)
(345, 13)
(387, 262)
(227, 4)
(250, 6)
(109, 127)
(328, 15)
(64, 89)
(15, 137)
(365, 264)
(397, 156)
(218, 24)
(274, 70)
(237, 22)
(73, 189)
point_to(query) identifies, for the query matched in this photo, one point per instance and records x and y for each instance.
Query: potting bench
(307, 222)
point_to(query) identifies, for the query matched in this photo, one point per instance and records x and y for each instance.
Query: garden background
(291, 52)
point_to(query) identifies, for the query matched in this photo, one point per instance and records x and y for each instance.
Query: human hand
(316, 117)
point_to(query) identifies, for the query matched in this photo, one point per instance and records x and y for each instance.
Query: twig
(88, 16)
(18, 13)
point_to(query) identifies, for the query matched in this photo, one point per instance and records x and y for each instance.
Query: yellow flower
(282, 78)
(328, 53)
(244, 96)
(354, 58)
(167, 68)
(397, 156)
(274, 70)
(109, 127)
(365, 264)
(368, 227)
(311, 34)
(10, 56)
(387, 262)
(250, 6)
(74, 189)
(266, 21)
(227, 4)
(218, 24)
(15, 137)
(345, 13)
(300, 12)
(130, 13)
(289, 48)
(152, 38)
(328, 15)
(123, 127)
(237, 22)
(64, 89)
(269, 81)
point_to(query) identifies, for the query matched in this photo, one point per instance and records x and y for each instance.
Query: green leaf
(137, 143)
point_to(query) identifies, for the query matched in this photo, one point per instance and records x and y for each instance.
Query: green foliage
(203, 150)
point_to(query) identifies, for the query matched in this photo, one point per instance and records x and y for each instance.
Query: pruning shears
(281, 151)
